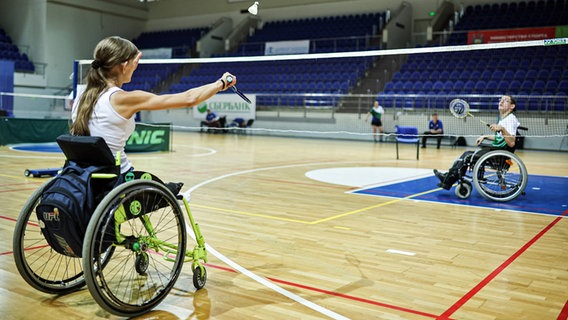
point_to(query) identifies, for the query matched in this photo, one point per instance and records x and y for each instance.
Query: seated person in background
(503, 138)
(211, 120)
(435, 128)
(238, 122)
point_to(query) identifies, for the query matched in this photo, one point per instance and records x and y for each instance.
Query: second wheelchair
(498, 175)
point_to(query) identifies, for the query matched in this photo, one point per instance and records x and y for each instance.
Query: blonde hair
(108, 53)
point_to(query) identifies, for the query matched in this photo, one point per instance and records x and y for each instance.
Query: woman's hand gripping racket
(237, 91)
(460, 109)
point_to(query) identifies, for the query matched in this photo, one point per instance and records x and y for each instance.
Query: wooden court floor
(284, 246)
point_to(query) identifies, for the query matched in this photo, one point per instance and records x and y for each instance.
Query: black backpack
(66, 206)
(69, 199)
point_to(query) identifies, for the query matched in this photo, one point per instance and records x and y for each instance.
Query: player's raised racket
(237, 91)
(460, 109)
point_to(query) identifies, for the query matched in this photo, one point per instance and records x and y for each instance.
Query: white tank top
(105, 122)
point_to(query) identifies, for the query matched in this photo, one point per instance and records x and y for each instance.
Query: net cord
(355, 54)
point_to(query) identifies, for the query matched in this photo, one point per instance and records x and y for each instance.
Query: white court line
(250, 274)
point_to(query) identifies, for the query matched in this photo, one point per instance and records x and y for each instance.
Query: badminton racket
(237, 91)
(460, 109)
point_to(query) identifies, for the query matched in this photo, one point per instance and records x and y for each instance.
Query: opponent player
(503, 138)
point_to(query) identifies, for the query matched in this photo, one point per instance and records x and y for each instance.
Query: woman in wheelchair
(502, 139)
(107, 111)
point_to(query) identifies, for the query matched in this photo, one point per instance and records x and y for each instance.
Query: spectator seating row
(283, 77)
(147, 76)
(505, 15)
(326, 34)
(179, 40)
(9, 51)
(287, 77)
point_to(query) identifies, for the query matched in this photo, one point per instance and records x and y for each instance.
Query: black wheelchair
(129, 264)
(498, 175)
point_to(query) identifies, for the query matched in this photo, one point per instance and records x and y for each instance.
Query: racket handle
(229, 79)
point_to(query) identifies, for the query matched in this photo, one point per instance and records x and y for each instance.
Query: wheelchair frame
(133, 252)
(493, 177)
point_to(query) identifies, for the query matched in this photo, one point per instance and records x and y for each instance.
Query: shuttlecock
(254, 8)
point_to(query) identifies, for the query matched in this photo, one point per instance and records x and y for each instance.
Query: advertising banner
(510, 35)
(230, 105)
(149, 137)
(287, 47)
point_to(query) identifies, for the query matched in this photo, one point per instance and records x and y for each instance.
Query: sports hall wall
(58, 32)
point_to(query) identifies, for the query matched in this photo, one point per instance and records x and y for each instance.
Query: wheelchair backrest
(86, 150)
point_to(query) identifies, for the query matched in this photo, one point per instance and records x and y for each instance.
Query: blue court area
(38, 147)
(544, 194)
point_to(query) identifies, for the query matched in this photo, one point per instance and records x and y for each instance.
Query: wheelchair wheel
(500, 176)
(40, 266)
(463, 189)
(144, 224)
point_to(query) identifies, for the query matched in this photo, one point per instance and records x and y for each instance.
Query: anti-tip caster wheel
(142, 262)
(199, 277)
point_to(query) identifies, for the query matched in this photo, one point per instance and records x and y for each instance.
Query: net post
(75, 77)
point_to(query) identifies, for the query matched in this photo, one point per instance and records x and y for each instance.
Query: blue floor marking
(544, 194)
(38, 147)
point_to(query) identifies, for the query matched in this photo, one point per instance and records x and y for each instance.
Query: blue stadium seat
(486, 75)
(526, 86)
(491, 87)
(563, 86)
(514, 86)
(469, 86)
(503, 86)
(497, 75)
(551, 86)
(538, 87)
(479, 86)
(458, 86)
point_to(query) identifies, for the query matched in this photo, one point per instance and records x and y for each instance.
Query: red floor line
(385, 305)
(564, 313)
(314, 289)
(494, 274)
(8, 218)
(446, 315)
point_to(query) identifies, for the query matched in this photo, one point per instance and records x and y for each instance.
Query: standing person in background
(435, 128)
(377, 112)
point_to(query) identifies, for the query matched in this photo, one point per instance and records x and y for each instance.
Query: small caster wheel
(463, 190)
(199, 277)
(142, 262)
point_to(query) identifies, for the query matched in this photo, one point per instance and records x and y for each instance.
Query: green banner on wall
(14, 130)
(146, 137)
(150, 137)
